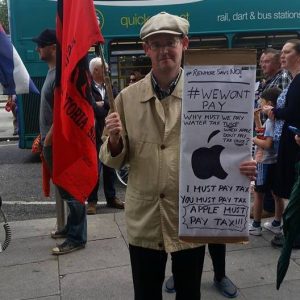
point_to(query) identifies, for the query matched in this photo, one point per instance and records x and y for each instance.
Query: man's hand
(114, 128)
(248, 168)
(100, 103)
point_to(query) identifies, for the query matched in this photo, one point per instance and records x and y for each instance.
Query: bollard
(61, 211)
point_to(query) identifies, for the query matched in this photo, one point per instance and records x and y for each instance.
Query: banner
(14, 78)
(216, 136)
(75, 164)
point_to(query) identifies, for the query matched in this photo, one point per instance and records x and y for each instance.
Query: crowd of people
(145, 133)
(277, 151)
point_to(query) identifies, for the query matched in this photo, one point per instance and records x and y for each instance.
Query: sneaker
(91, 208)
(115, 203)
(66, 247)
(254, 230)
(169, 285)
(269, 226)
(58, 234)
(226, 287)
(278, 241)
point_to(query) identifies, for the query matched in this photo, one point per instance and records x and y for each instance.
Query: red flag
(75, 166)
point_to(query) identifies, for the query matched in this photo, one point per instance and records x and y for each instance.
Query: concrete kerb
(8, 138)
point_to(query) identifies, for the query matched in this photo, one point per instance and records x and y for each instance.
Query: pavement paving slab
(29, 281)
(27, 250)
(289, 290)
(111, 283)
(102, 270)
(100, 254)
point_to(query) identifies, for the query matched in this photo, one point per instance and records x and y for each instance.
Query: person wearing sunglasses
(134, 77)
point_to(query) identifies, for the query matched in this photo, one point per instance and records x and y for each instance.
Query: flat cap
(164, 23)
(46, 38)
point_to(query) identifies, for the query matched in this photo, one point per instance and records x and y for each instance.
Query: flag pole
(108, 87)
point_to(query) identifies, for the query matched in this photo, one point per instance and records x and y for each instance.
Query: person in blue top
(266, 157)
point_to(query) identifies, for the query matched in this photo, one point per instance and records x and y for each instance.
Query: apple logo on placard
(206, 161)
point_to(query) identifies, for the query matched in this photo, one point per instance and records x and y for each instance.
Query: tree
(4, 15)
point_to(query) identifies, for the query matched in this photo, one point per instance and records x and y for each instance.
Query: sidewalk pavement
(102, 270)
(6, 124)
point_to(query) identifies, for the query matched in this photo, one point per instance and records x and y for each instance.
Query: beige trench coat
(151, 147)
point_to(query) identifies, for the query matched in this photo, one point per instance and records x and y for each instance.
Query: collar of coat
(149, 93)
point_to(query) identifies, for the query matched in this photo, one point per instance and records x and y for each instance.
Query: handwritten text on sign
(216, 136)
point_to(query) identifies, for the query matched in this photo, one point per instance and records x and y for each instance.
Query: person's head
(46, 45)
(290, 56)
(134, 77)
(165, 37)
(269, 96)
(96, 69)
(270, 62)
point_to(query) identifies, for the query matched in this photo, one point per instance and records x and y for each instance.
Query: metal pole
(61, 211)
(107, 81)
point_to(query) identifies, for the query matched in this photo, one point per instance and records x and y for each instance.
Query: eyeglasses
(132, 79)
(168, 44)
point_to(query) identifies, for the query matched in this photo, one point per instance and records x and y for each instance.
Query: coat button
(162, 147)
(162, 195)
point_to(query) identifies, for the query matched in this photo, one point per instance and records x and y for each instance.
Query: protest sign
(216, 136)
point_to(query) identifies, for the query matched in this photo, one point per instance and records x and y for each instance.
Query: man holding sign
(145, 132)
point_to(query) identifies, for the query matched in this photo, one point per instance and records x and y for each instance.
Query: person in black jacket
(286, 113)
(101, 108)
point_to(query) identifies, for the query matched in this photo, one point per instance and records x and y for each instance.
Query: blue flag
(14, 78)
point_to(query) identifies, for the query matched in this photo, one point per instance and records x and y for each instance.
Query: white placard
(216, 136)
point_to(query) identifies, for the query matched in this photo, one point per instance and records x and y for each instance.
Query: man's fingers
(113, 124)
(248, 169)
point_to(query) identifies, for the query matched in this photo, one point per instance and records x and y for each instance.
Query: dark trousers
(148, 272)
(269, 203)
(217, 253)
(109, 179)
(291, 213)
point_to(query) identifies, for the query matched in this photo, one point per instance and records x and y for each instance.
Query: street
(21, 186)
(252, 267)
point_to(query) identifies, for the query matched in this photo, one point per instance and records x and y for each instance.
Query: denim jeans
(76, 223)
